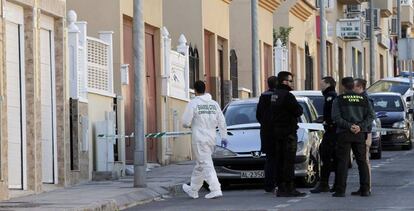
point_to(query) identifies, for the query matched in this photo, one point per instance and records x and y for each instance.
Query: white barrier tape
(388, 130)
(150, 135)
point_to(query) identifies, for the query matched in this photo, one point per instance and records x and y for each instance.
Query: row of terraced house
(67, 80)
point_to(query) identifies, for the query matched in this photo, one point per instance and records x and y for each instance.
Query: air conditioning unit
(354, 8)
(377, 17)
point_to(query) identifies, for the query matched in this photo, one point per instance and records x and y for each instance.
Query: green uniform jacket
(352, 108)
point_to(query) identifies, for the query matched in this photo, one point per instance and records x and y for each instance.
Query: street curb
(138, 197)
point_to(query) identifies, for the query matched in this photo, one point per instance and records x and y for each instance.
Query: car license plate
(252, 174)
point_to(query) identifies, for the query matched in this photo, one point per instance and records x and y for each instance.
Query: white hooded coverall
(203, 115)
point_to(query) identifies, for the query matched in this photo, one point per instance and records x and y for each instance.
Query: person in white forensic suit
(203, 115)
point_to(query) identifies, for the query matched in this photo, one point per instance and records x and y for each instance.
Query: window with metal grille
(99, 69)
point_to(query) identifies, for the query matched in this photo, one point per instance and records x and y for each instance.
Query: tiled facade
(32, 11)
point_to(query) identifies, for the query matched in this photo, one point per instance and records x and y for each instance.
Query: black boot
(321, 188)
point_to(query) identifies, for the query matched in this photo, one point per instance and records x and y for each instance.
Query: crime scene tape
(183, 133)
(149, 135)
(388, 130)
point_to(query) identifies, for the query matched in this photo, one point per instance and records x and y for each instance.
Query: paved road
(393, 189)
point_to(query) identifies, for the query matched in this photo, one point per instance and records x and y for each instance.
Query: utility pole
(140, 173)
(398, 30)
(255, 49)
(371, 45)
(322, 60)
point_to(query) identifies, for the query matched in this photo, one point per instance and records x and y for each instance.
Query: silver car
(242, 158)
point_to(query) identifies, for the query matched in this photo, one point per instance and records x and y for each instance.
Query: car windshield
(246, 113)
(387, 103)
(240, 114)
(389, 86)
(318, 102)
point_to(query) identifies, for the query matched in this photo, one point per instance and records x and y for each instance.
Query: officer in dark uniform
(352, 114)
(268, 145)
(327, 147)
(285, 111)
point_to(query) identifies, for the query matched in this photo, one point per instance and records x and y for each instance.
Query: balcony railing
(351, 29)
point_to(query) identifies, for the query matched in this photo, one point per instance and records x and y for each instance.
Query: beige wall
(180, 146)
(218, 24)
(241, 39)
(98, 105)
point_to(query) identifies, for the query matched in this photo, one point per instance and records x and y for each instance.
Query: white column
(183, 48)
(83, 60)
(73, 44)
(167, 63)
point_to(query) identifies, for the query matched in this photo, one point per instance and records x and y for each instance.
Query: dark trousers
(356, 142)
(328, 156)
(270, 172)
(285, 162)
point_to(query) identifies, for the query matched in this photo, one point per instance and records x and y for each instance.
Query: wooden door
(151, 101)
(128, 90)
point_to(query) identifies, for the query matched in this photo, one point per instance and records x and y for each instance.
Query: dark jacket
(352, 108)
(262, 115)
(329, 94)
(285, 110)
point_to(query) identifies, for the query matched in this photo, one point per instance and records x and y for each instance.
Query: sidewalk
(108, 195)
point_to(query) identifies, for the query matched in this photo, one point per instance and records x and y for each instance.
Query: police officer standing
(352, 114)
(360, 88)
(268, 144)
(285, 111)
(327, 147)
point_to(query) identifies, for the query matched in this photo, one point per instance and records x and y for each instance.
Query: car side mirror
(319, 120)
(408, 99)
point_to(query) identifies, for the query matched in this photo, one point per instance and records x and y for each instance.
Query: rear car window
(389, 86)
(387, 103)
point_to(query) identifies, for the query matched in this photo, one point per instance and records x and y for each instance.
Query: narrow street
(392, 181)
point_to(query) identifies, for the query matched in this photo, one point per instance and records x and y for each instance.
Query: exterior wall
(180, 146)
(31, 63)
(153, 17)
(4, 189)
(241, 40)
(97, 106)
(302, 31)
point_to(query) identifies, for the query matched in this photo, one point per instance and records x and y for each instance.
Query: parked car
(318, 101)
(399, 85)
(242, 158)
(393, 113)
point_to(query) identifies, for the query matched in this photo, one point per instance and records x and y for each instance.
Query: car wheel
(312, 173)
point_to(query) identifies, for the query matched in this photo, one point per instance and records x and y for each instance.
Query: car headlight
(399, 125)
(301, 147)
(221, 152)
